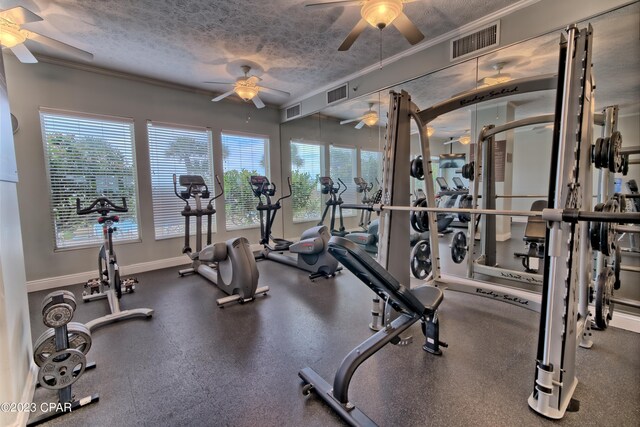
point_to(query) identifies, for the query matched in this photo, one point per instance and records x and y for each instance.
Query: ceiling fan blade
(335, 3)
(223, 96)
(274, 91)
(23, 54)
(360, 124)
(219, 83)
(19, 15)
(353, 35)
(61, 46)
(256, 100)
(344, 122)
(408, 29)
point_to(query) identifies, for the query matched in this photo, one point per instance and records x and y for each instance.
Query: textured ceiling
(616, 67)
(192, 41)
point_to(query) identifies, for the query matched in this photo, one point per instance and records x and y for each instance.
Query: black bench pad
(421, 301)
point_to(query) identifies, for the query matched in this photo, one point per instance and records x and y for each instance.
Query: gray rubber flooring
(196, 364)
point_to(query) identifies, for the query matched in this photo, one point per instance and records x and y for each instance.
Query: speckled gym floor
(196, 364)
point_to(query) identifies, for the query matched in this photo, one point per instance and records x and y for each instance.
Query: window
(371, 167)
(183, 151)
(306, 168)
(243, 156)
(88, 157)
(343, 166)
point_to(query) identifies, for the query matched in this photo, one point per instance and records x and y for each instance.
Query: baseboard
(72, 279)
(626, 321)
(27, 395)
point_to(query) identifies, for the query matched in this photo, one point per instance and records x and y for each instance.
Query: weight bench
(534, 236)
(413, 305)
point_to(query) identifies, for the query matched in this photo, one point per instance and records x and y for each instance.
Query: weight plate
(607, 232)
(415, 224)
(617, 259)
(417, 168)
(471, 171)
(421, 260)
(595, 153)
(604, 292)
(56, 315)
(459, 247)
(625, 165)
(604, 153)
(79, 339)
(615, 157)
(594, 229)
(61, 369)
(67, 297)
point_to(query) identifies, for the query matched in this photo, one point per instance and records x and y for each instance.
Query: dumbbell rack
(60, 353)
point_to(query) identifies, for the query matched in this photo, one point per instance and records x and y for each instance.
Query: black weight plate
(607, 234)
(421, 260)
(604, 292)
(459, 247)
(594, 229)
(625, 165)
(604, 153)
(616, 267)
(595, 153)
(471, 171)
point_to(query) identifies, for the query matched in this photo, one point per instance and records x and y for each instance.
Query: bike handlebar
(101, 205)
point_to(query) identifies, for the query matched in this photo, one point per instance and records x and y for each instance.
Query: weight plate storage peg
(459, 247)
(421, 260)
(62, 368)
(79, 339)
(604, 293)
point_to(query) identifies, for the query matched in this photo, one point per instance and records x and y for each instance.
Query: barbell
(548, 214)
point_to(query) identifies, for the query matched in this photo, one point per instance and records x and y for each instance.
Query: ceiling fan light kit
(246, 90)
(370, 119)
(380, 13)
(11, 34)
(464, 139)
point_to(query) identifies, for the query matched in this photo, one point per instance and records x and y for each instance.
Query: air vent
(337, 94)
(293, 111)
(478, 41)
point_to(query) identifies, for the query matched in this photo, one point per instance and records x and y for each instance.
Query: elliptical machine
(312, 247)
(333, 202)
(229, 265)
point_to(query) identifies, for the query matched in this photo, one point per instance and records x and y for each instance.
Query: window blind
(183, 151)
(306, 168)
(343, 165)
(243, 156)
(88, 157)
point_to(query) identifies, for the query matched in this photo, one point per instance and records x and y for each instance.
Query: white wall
(46, 85)
(16, 376)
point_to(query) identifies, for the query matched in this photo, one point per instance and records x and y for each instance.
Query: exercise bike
(108, 269)
(311, 250)
(334, 202)
(229, 265)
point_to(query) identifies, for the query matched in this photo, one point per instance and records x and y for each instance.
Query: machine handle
(290, 191)
(219, 185)
(104, 206)
(340, 181)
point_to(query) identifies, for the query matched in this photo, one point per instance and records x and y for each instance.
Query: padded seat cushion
(363, 266)
(536, 227)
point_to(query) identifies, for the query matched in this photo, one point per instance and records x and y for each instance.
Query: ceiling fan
(497, 78)
(369, 118)
(379, 14)
(247, 88)
(13, 36)
(464, 140)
